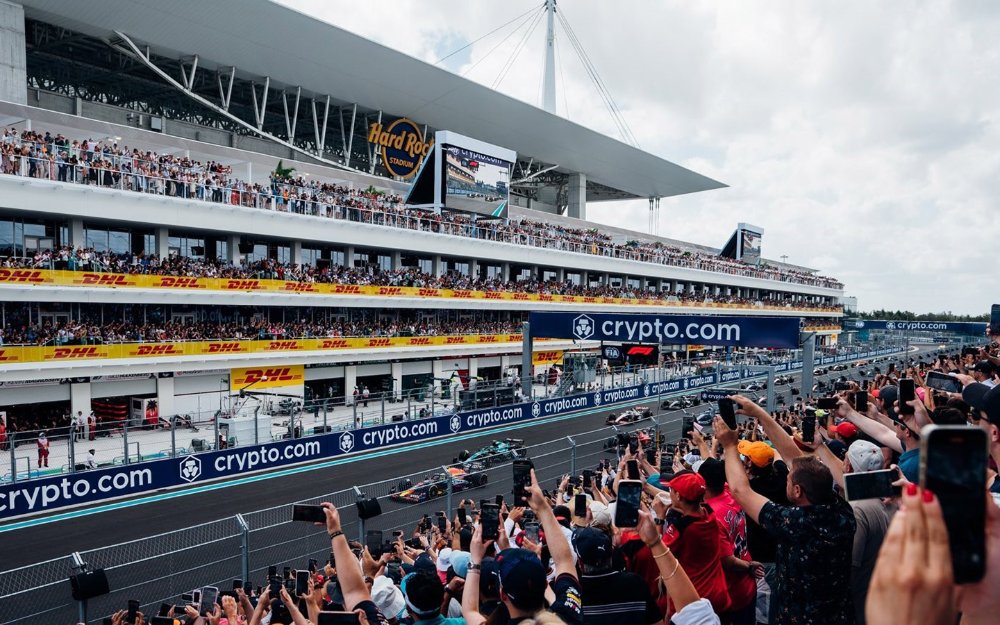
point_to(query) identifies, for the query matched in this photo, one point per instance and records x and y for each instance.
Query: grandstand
(178, 205)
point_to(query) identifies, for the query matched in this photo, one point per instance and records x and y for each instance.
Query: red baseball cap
(688, 486)
(845, 430)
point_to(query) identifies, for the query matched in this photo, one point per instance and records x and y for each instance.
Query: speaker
(89, 584)
(246, 248)
(368, 508)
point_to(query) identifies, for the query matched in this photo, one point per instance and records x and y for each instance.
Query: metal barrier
(158, 569)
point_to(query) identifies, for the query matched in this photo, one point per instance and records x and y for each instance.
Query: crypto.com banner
(775, 332)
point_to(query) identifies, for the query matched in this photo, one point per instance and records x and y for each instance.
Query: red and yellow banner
(22, 277)
(267, 377)
(550, 357)
(72, 353)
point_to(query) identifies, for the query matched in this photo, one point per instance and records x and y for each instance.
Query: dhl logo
(547, 356)
(513, 338)
(488, 338)
(390, 290)
(428, 293)
(492, 295)
(590, 300)
(20, 275)
(454, 340)
(300, 287)
(278, 346)
(420, 340)
(545, 298)
(4, 357)
(379, 342)
(347, 288)
(105, 279)
(224, 348)
(567, 298)
(462, 294)
(333, 344)
(521, 297)
(68, 353)
(282, 374)
(180, 283)
(158, 350)
(243, 285)
(607, 300)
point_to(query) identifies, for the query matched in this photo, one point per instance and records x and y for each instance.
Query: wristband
(659, 521)
(474, 567)
(335, 534)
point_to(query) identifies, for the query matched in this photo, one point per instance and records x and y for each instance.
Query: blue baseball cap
(522, 577)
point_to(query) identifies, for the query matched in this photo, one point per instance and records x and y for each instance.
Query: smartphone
(462, 515)
(373, 540)
(943, 382)
(133, 609)
(531, 532)
(196, 596)
(907, 393)
(651, 455)
(301, 583)
(953, 466)
(994, 328)
(490, 520)
(871, 485)
(313, 565)
(337, 618)
(498, 500)
(727, 410)
(308, 514)
(164, 609)
(209, 595)
(274, 586)
(238, 583)
(580, 506)
(808, 429)
(627, 506)
(588, 478)
(861, 401)
(632, 470)
(162, 620)
(522, 479)
(841, 386)
(272, 571)
(442, 524)
(827, 403)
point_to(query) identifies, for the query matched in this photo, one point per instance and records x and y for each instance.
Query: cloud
(861, 136)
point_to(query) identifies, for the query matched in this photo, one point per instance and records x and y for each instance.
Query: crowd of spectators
(87, 259)
(743, 525)
(105, 163)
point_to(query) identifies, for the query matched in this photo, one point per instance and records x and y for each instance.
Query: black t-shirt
(568, 604)
(615, 598)
(771, 484)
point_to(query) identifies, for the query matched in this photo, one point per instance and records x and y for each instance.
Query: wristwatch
(659, 521)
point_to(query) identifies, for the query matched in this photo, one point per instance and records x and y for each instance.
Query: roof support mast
(549, 78)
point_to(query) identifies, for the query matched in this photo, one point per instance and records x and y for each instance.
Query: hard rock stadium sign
(402, 145)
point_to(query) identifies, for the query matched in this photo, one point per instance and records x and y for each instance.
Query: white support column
(350, 381)
(349, 256)
(437, 370)
(577, 196)
(504, 365)
(473, 367)
(296, 249)
(165, 397)
(506, 272)
(162, 242)
(473, 268)
(561, 275)
(79, 398)
(233, 249)
(438, 266)
(397, 379)
(77, 237)
(13, 57)
(397, 260)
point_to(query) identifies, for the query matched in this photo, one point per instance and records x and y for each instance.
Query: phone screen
(906, 394)
(632, 470)
(580, 506)
(209, 595)
(827, 403)
(274, 586)
(522, 479)
(953, 467)
(442, 524)
(627, 505)
(531, 532)
(727, 410)
(491, 521)
(462, 518)
(995, 319)
(133, 609)
(301, 583)
(309, 514)
(286, 572)
(861, 401)
(272, 571)
(337, 618)
(808, 429)
(871, 485)
(943, 382)
(651, 455)
(373, 540)
(588, 477)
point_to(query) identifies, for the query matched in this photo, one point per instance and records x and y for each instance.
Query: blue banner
(53, 493)
(716, 394)
(975, 328)
(775, 332)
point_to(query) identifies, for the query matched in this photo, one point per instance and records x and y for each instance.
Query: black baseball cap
(983, 398)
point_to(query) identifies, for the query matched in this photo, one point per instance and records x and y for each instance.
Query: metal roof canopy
(263, 38)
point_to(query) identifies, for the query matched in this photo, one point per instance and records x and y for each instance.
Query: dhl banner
(267, 377)
(17, 354)
(20, 277)
(550, 357)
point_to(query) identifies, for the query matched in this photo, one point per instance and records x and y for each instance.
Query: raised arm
(736, 475)
(352, 583)
(782, 441)
(562, 553)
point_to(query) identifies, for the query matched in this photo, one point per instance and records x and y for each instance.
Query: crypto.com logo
(346, 442)
(583, 327)
(190, 468)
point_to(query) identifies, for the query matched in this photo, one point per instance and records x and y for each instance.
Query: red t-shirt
(729, 514)
(699, 544)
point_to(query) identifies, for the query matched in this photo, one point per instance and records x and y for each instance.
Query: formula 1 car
(629, 415)
(492, 454)
(434, 486)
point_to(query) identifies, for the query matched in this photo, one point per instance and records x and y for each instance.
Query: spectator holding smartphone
(349, 577)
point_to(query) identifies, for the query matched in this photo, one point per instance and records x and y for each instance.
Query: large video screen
(750, 246)
(476, 182)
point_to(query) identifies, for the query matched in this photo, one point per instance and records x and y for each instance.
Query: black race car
(436, 485)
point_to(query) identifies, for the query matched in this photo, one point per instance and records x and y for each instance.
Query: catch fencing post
(572, 455)
(244, 546)
(448, 489)
(13, 456)
(173, 436)
(383, 408)
(125, 439)
(325, 424)
(72, 449)
(354, 409)
(361, 522)
(79, 566)
(215, 424)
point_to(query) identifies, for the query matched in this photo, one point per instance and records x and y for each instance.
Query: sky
(861, 136)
